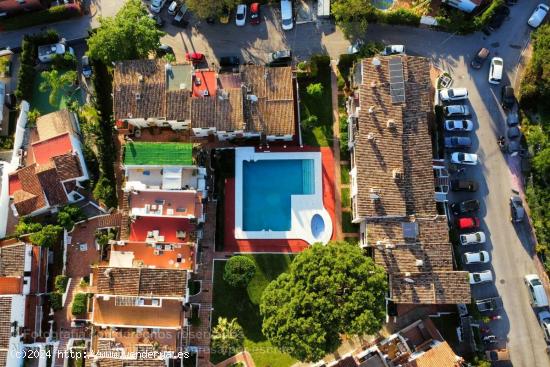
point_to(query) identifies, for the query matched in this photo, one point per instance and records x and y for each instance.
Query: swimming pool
(267, 189)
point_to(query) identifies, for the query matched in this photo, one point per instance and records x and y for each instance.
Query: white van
(496, 70)
(537, 295)
(323, 8)
(286, 14)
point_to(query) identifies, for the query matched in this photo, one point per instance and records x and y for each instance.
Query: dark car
(480, 57)
(159, 22)
(513, 132)
(464, 207)
(280, 58)
(507, 97)
(255, 13)
(229, 63)
(164, 50)
(512, 119)
(499, 16)
(464, 185)
(458, 142)
(517, 209)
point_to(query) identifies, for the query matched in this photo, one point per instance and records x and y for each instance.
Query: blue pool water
(267, 186)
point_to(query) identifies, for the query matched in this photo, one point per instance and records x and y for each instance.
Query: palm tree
(55, 83)
(227, 337)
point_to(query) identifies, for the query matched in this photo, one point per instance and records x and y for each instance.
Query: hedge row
(51, 15)
(80, 302)
(397, 16)
(457, 21)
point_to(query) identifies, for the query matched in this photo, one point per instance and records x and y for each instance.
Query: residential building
(395, 181)
(466, 6)
(51, 166)
(257, 102)
(10, 8)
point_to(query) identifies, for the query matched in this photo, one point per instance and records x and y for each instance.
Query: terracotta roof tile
(430, 230)
(439, 356)
(225, 114)
(414, 258)
(430, 288)
(30, 197)
(44, 150)
(5, 318)
(49, 180)
(3, 357)
(141, 282)
(12, 260)
(130, 363)
(54, 124)
(68, 166)
(178, 105)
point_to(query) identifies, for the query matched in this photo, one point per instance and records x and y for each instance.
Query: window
(147, 173)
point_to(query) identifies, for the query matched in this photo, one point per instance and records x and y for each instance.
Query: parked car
(280, 58)
(497, 355)
(194, 57)
(479, 58)
(481, 277)
(463, 207)
(178, 19)
(507, 97)
(496, 70)
(229, 63)
(255, 13)
(538, 15)
(517, 209)
(513, 132)
(458, 142)
(500, 14)
(464, 158)
(512, 119)
(173, 8)
(393, 50)
(86, 68)
(459, 125)
(544, 319)
(481, 257)
(472, 238)
(453, 94)
(156, 5)
(467, 223)
(47, 53)
(159, 22)
(489, 304)
(456, 110)
(286, 15)
(164, 50)
(537, 295)
(240, 16)
(464, 185)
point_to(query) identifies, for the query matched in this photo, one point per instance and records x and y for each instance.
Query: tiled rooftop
(54, 124)
(440, 355)
(145, 255)
(224, 112)
(158, 154)
(170, 229)
(205, 81)
(450, 287)
(5, 318)
(416, 258)
(12, 260)
(44, 150)
(430, 230)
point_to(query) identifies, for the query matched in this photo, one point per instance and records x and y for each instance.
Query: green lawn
(40, 99)
(243, 304)
(148, 153)
(346, 201)
(347, 226)
(321, 133)
(344, 174)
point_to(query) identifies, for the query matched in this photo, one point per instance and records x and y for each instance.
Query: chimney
(370, 136)
(390, 124)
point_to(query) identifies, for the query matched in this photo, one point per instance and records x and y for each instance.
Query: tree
(48, 236)
(26, 226)
(129, 35)
(208, 8)
(541, 164)
(352, 16)
(68, 215)
(328, 291)
(227, 337)
(32, 116)
(55, 83)
(315, 90)
(239, 271)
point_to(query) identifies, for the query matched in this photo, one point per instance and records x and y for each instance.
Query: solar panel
(397, 83)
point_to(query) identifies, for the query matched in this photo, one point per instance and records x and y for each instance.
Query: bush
(310, 122)
(401, 16)
(104, 191)
(48, 236)
(483, 19)
(315, 90)
(56, 301)
(60, 283)
(239, 271)
(80, 301)
(51, 15)
(65, 61)
(68, 215)
(25, 226)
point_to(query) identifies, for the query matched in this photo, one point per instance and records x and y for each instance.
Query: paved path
(336, 150)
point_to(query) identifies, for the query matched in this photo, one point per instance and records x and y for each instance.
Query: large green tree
(351, 16)
(206, 8)
(56, 83)
(328, 291)
(130, 34)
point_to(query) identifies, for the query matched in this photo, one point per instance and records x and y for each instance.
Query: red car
(467, 223)
(194, 57)
(255, 13)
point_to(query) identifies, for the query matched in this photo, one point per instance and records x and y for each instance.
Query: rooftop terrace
(158, 154)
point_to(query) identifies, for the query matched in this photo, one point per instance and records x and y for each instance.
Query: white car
(538, 15)
(156, 5)
(481, 257)
(496, 70)
(393, 50)
(173, 8)
(456, 110)
(459, 125)
(544, 319)
(286, 15)
(240, 17)
(481, 277)
(47, 53)
(472, 238)
(453, 94)
(464, 158)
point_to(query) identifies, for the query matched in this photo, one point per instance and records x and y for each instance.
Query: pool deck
(283, 244)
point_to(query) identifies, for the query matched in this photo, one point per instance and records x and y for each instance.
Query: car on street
(517, 209)
(280, 58)
(173, 8)
(453, 94)
(472, 238)
(458, 142)
(537, 294)
(488, 304)
(467, 223)
(164, 50)
(464, 185)
(178, 19)
(156, 5)
(544, 319)
(499, 16)
(496, 70)
(194, 57)
(481, 277)
(512, 119)
(464, 158)
(229, 63)
(538, 15)
(286, 15)
(240, 15)
(481, 257)
(513, 132)
(159, 22)
(393, 50)
(507, 97)
(255, 13)
(480, 57)
(459, 125)
(86, 68)
(497, 355)
(456, 110)
(464, 207)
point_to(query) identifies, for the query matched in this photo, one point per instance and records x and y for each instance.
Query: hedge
(56, 301)
(80, 301)
(60, 283)
(51, 15)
